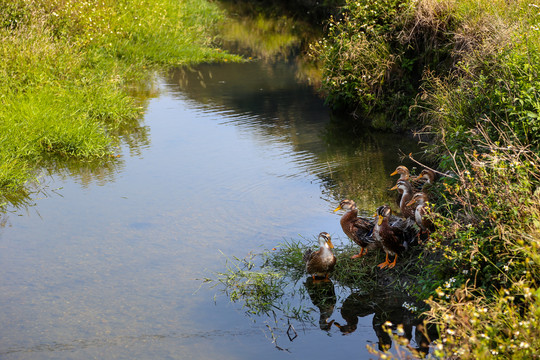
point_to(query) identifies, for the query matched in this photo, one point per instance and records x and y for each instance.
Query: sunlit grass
(66, 67)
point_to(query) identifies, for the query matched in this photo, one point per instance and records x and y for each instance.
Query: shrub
(364, 67)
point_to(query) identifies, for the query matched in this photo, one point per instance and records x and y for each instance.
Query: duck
(406, 190)
(403, 172)
(426, 179)
(427, 175)
(321, 263)
(395, 237)
(358, 229)
(421, 199)
(405, 175)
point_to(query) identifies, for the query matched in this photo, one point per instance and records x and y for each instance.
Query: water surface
(228, 159)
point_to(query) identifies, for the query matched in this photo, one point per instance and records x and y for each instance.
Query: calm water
(228, 159)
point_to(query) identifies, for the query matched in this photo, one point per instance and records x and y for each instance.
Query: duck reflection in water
(388, 314)
(355, 306)
(323, 296)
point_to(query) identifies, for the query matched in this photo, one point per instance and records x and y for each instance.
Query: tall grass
(65, 67)
(483, 119)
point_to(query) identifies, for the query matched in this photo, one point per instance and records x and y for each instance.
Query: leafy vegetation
(473, 69)
(465, 75)
(66, 68)
(366, 69)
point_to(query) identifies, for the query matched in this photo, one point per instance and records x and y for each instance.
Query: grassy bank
(66, 67)
(466, 75)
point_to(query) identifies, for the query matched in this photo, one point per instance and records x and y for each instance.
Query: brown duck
(427, 175)
(403, 172)
(395, 237)
(419, 201)
(406, 190)
(404, 175)
(358, 229)
(320, 263)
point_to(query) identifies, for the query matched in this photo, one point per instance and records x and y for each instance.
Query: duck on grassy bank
(358, 229)
(394, 234)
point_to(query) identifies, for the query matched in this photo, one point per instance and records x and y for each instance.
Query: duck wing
(308, 255)
(362, 225)
(404, 230)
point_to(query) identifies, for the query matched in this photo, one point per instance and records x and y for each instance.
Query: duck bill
(394, 187)
(338, 208)
(330, 245)
(379, 220)
(411, 202)
(394, 173)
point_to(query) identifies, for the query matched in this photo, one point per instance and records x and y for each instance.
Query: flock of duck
(394, 234)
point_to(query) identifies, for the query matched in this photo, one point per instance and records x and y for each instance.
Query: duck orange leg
(393, 263)
(360, 254)
(385, 263)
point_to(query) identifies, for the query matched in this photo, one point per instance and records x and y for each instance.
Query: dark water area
(107, 260)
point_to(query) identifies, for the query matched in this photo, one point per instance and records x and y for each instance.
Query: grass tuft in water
(266, 281)
(257, 288)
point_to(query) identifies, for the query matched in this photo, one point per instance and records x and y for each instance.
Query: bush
(365, 69)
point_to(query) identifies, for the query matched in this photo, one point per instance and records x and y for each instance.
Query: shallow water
(235, 158)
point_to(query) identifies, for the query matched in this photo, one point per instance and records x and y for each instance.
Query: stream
(107, 261)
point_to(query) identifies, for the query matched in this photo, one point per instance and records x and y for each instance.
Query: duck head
(325, 240)
(346, 205)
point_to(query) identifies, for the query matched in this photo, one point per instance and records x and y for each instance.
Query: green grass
(465, 75)
(260, 281)
(66, 68)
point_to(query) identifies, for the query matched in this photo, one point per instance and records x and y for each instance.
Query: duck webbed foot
(318, 280)
(393, 263)
(385, 263)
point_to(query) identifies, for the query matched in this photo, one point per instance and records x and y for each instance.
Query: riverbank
(465, 75)
(68, 69)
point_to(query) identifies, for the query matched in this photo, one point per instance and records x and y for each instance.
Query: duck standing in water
(394, 236)
(320, 263)
(358, 229)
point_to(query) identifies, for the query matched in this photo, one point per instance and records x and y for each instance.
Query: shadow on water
(259, 98)
(292, 303)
